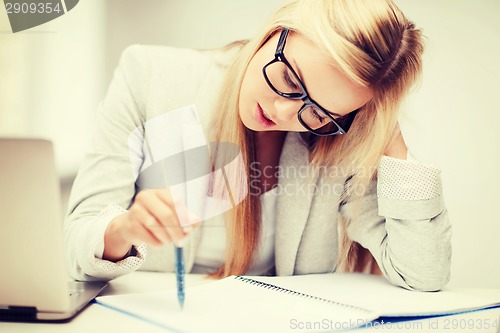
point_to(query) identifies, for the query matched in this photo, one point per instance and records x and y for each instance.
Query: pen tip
(181, 304)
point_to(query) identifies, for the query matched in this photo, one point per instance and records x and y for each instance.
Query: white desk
(96, 318)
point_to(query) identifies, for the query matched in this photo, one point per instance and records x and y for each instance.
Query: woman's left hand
(397, 147)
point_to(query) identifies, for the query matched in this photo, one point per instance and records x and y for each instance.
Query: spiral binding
(296, 293)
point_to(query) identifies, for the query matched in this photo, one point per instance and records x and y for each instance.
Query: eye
(317, 116)
(288, 79)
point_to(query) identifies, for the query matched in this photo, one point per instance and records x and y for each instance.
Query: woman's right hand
(152, 219)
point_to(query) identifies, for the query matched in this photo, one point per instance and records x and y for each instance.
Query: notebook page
(375, 292)
(231, 305)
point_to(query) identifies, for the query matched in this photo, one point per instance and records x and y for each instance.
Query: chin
(249, 123)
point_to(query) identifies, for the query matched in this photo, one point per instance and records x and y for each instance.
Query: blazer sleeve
(105, 184)
(404, 224)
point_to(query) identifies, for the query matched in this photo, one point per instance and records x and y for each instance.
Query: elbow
(429, 284)
(429, 277)
(427, 272)
(433, 278)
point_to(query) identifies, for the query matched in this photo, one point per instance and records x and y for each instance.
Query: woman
(317, 90)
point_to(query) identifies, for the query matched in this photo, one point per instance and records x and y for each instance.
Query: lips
(263, 118)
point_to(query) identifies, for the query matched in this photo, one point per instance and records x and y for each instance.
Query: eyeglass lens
(284, 81)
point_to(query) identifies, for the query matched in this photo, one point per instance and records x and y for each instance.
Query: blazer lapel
(296, 187)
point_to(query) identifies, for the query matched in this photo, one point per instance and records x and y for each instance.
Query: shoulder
(140, 59)
(163, 78)
(137, 56)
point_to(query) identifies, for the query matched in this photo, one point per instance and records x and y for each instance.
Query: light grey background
(53, 77)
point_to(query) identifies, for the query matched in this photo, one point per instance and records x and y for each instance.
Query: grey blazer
(404, 223)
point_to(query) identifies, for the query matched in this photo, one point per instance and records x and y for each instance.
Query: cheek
(248, 93)
(252, 81)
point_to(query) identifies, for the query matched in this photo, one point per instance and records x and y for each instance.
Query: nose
(287, 109)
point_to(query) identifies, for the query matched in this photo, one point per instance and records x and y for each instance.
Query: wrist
(116, 247)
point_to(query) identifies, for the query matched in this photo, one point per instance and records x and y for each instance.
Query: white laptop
(34, 284)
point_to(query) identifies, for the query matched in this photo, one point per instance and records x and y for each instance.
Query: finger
(158, 212)
(165, 195)
(166, 216)
(144, 235)
(184, 215)
(147, 227)
(191, 227)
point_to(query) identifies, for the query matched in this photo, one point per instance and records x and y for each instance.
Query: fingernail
(188, 229)
(181, 242)
(193, 218)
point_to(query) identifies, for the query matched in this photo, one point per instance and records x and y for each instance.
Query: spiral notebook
(318, 302)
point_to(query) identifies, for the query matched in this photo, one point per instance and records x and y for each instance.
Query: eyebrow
(300, 76)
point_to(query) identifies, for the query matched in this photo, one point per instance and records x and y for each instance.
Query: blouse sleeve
(105, 184)
(403, 222)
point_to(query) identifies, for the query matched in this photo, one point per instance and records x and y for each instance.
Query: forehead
(325, 82)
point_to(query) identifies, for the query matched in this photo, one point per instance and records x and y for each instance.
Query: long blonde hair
(376, 46)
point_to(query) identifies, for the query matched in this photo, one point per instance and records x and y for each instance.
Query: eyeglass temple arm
(281, 42)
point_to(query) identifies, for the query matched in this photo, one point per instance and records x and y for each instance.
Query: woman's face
(261, 109)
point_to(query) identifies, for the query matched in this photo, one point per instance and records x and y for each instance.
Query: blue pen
(179, 274)
(179, 252)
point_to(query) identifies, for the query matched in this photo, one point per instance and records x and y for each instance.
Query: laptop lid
(34, 275)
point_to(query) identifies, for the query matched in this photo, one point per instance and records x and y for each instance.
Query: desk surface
(97, 318)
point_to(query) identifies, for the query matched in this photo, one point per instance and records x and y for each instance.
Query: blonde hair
(376, 46)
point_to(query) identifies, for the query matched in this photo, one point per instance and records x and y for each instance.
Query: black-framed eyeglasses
(282, 79)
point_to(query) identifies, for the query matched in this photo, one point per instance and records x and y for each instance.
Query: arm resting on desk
(405, 225)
